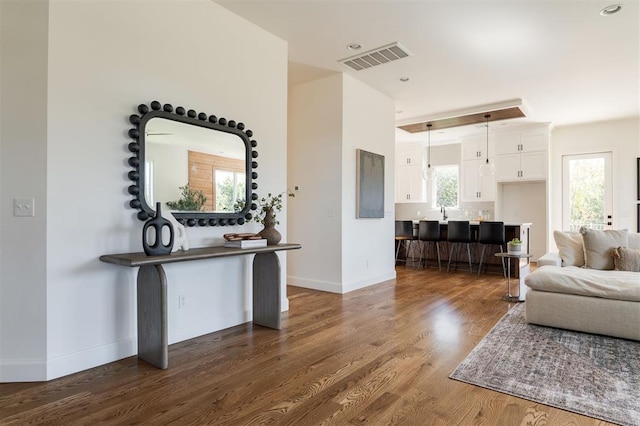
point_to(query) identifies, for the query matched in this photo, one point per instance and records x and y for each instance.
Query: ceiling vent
(381, 55)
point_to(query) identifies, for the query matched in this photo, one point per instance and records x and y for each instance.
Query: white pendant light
(487, 168)
(429, 173)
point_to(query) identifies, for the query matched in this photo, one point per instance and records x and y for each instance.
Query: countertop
(477, 222)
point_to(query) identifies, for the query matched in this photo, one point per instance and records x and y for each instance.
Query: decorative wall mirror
(200, 167)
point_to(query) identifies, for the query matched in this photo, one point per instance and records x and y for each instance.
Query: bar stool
(491, 234)
(404, 237)
(429, 232)
(459, 232)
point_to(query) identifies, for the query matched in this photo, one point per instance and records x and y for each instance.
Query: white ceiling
(567, 63)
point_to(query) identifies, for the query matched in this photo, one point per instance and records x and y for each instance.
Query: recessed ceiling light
(610, 10)
(404, 79)
(354, 46)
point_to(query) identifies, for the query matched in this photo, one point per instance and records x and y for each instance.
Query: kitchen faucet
(444, 213)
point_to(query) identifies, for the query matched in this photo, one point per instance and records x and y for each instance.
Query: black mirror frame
(137, 147)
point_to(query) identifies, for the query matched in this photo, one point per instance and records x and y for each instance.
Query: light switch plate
(23, 207)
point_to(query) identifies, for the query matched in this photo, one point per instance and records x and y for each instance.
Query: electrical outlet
(182, 301)
(23, 207)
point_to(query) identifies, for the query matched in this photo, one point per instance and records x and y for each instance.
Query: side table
(524, 271)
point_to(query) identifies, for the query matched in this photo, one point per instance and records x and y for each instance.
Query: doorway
(587, 188)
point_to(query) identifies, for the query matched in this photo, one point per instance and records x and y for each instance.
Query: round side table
(510, 297)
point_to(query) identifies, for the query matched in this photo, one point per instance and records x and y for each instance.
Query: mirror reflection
(192, 168)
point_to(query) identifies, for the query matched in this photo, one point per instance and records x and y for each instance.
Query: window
(444, 186)
(587, 191)
(229, 188)
(148, 182)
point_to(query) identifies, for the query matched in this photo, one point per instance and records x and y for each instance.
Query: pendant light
(486, 168)
(429, 173)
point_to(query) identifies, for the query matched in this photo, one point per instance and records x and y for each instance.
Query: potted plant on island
(514, 246)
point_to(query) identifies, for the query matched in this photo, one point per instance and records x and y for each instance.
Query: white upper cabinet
(522, 156)
(476, 147)
(516, 143)
(409, 157)
(476, 187)
(410, 185)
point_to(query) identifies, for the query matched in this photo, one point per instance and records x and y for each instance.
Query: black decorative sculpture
(157, 223)
(139, 174)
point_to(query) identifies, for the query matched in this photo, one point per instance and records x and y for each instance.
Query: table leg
(266, 290)
(153, 344)
(509, 297)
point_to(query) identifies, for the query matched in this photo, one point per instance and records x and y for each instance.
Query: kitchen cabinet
(475, 147)
(410, 184)
(474, 186)
(522, 157)
(409, 157)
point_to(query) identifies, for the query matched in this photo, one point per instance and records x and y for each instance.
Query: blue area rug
(593, 375)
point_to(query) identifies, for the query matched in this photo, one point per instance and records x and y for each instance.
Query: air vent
(381, 55)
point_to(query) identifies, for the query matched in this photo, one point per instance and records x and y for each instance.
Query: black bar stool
(459, 232)
(429, 232)
(491, 234)
(404, 237)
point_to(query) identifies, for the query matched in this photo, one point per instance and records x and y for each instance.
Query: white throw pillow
(599, 245)
(634, 240)
(570, 248)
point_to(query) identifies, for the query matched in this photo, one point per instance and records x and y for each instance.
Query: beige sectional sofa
(580, 289)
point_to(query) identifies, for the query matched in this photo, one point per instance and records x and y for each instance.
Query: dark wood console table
(153, 344)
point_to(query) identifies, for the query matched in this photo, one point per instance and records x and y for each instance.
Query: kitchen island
(494, 265)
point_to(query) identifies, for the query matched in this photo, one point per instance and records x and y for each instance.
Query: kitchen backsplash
(466, 211)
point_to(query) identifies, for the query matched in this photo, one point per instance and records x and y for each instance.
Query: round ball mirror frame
(138, 148)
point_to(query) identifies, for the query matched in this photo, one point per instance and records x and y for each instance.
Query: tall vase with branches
(268, 207)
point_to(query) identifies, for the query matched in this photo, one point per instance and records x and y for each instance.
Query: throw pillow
(598, 246)
(634, 240)
(626, 259)
(570, 248)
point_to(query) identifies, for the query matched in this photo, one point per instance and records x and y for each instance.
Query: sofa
(592, 284)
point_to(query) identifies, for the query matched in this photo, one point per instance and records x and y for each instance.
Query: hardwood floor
(377, 356)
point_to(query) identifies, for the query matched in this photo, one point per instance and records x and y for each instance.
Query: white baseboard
(328, 286)
(368, 281)
(94, 357)
(39, 370)
(340, 288)
(23, 370)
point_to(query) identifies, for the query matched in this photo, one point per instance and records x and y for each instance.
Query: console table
(153, 344)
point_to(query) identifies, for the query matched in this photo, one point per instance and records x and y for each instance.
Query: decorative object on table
(514, 246)
(244, 240)
(155, 226)
(180, 241)
(191, 200)
(559, 368)
(369, 185)
(267, 208)
(248, 243)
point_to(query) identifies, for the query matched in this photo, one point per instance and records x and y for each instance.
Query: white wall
(622, 137)
(170, 170)
(23, 171)
(367, 244)
(329, 119)
(104, 58)
(525, 202)
(315, 166)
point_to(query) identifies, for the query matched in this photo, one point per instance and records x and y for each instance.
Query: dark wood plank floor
(377, 356)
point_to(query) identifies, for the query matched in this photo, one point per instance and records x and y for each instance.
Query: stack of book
(244, 241)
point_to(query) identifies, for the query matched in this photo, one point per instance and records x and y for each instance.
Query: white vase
(514, 248)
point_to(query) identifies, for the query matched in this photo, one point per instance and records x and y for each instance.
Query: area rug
(593, 375)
